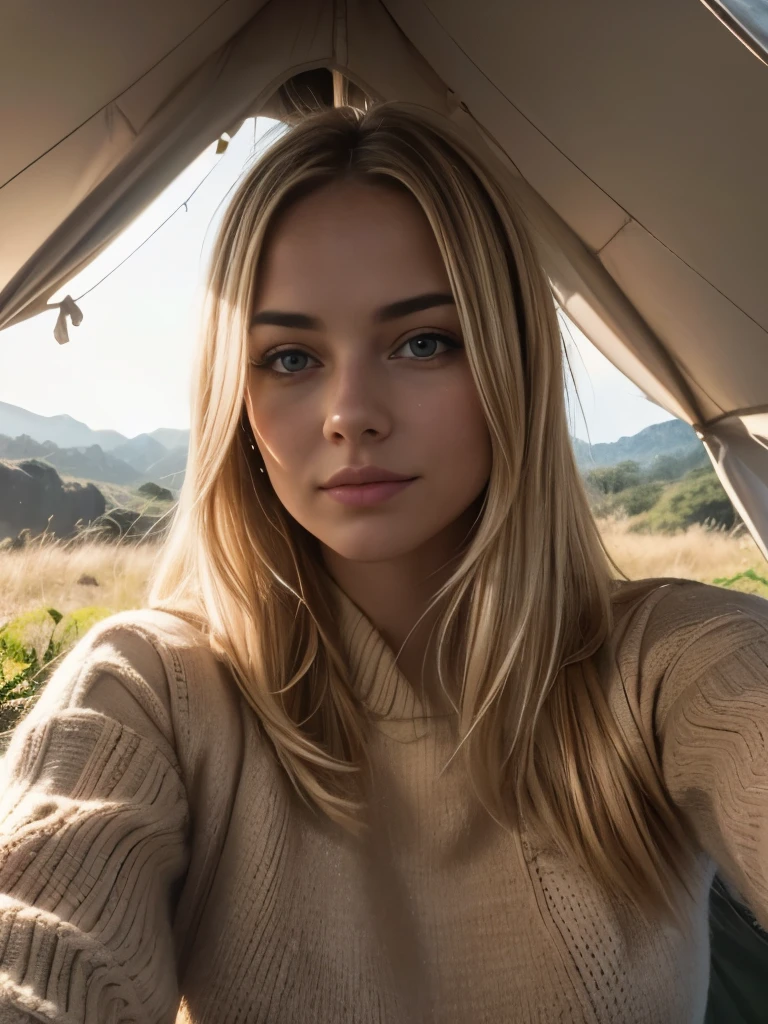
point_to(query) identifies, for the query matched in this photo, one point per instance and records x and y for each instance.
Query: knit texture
(157, 866)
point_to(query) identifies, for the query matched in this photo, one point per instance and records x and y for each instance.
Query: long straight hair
(529, 603)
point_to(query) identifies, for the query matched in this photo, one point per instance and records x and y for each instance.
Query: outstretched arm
(714, 746)
(93, 842)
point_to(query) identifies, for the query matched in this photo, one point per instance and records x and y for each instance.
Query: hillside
(68, 432)
(64, 430)
(160, 456)
(671, 437)
(85, 463)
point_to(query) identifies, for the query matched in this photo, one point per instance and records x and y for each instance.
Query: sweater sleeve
(93, 841)
(713, 730)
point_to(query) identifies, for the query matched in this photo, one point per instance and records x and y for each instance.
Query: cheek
(281, 428)
(452, 427)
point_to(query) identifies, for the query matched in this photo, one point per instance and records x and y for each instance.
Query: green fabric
(738, 985)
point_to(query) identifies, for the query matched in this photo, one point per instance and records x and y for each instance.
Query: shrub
(675, 466)
(697, 498)
(30, 645)
(748, 582)
(612, 479)
(636, 500)
(152, 490)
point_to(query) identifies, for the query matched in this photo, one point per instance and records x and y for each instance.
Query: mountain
(67, 432)
(170, 438)
(63, 430)
(88, 462)
(169, 469)
(671, 437)
(140, 452)
(161, 456)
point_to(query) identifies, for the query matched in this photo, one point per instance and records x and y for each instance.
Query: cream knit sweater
(156, 866)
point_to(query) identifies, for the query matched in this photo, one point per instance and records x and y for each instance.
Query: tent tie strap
(67, 308)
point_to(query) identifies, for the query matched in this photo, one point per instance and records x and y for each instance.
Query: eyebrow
(393, 311)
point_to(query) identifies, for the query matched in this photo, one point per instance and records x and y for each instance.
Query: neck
(395, 594)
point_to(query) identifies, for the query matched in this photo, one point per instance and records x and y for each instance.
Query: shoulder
(668, 632)
(138, 668)
(668, 611)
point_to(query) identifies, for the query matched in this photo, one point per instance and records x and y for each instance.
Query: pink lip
(367, 494)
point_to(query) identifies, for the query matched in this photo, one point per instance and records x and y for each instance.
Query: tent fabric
(631, 133)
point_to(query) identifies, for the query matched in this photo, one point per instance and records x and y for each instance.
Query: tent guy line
(117, 96)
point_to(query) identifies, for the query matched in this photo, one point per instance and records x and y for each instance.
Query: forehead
(350, 243)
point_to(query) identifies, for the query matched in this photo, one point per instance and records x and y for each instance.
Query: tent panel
(46, 194)
(144, 98)
(232, 84)
(719, 347)
(72, 63)
(590, 212)
(739, 452)
(662, 129)
(377, 56)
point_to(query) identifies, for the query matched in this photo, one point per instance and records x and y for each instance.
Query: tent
(634, 133)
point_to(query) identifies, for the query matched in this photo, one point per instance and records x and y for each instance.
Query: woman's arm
(714, 745)
(93, 842)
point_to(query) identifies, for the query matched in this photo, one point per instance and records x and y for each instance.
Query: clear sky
(127, 366)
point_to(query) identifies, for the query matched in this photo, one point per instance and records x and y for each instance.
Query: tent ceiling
(632, 132)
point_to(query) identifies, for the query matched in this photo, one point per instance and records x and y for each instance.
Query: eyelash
(266, 362)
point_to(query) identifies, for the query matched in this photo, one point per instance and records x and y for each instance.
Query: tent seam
(115, 98)
(615, 233)
(584, 173)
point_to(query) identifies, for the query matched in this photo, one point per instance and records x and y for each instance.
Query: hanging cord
(68, 307)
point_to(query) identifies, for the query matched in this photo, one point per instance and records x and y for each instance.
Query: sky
(127, 366)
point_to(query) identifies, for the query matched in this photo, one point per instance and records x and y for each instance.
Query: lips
(358, 476)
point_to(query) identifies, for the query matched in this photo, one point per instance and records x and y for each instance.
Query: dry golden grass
(47, 575)
(698, 554)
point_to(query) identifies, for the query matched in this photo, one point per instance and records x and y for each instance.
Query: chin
(377, 544)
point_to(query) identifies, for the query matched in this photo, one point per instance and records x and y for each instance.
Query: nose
(357, 406)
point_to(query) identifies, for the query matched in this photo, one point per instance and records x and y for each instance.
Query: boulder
(34, 497)
(125, 524)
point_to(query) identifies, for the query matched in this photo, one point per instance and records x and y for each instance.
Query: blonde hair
(529, 603)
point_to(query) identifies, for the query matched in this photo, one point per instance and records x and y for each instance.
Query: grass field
(53, 592)
(697, 554)
(48, 574)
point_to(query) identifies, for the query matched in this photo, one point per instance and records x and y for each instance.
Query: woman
(384, 751)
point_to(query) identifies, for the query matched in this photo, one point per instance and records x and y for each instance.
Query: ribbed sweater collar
(375, 675)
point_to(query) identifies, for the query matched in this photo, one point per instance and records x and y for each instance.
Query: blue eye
(268, 362)
(287, 358)
(433, 339)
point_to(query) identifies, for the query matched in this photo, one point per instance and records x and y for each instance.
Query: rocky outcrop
(33, 496)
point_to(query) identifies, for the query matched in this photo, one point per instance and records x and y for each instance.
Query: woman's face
(355, 318)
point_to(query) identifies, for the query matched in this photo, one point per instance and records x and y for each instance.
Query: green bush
(30, 645)
(697, 498)
(636, 500)
(675, 466)
(613, 479)
(748, 582)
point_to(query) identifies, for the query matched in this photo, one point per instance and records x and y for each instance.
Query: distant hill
(170, 438)
(161, 455)
(169, 469)
(89, 462)
(67, 432)
(140, 452)
(671, 437)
